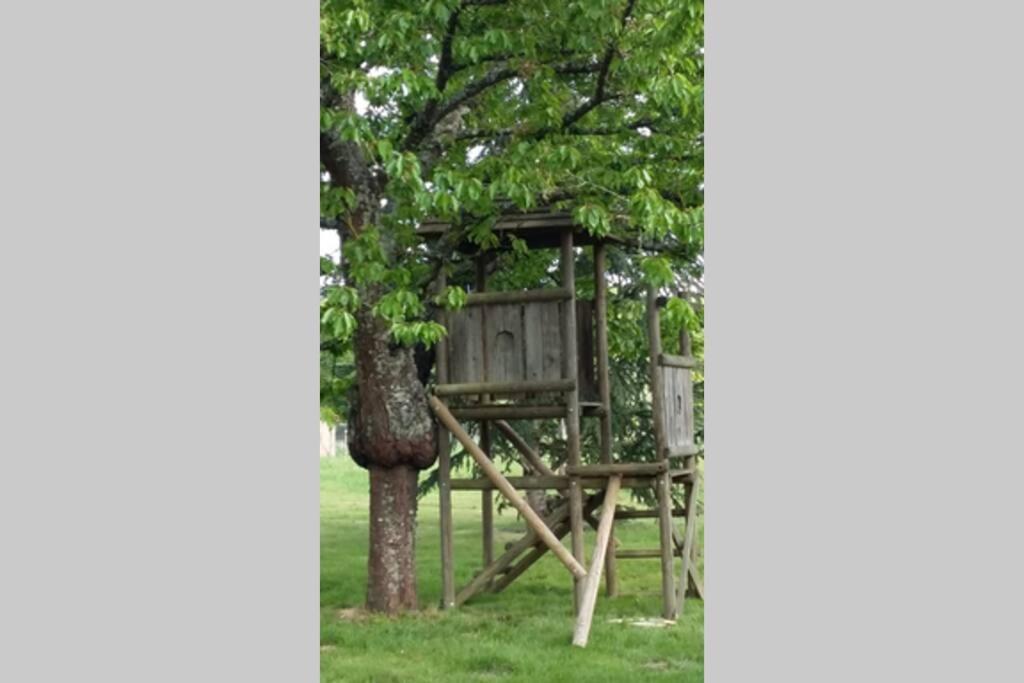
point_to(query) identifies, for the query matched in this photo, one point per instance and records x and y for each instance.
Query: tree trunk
(391, 586)
(391, 433)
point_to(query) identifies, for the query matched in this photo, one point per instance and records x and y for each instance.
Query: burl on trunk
(391, 433)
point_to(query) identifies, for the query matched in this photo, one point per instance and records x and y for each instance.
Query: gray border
(863, 342)
(158, 493)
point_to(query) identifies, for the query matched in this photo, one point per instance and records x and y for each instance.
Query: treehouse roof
(540, 228)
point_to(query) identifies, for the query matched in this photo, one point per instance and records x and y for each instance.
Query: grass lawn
(521, 634)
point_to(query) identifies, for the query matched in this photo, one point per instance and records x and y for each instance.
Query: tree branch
(602, 77)
(445, 63)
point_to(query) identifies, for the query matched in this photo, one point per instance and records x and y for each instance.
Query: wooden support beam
(593, 580)
(444, 478)
(560, 482)
(486, 496)
(520, 297)
(530, 456)
(670, 360)
(622, 468)
(508, 412)
(677, 452)
(655, 377)
(690, 535)
(668, 588)
(521, 387)
(570, 368)
(557, 519)
(646, 514)
(664, 489)
(604, 389)
(685, 346)
(638, 554)
(696, 584)
(501, 483)
(486, 504)
(528, 560)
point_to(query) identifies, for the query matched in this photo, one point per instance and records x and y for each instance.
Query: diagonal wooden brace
(529, 455)
(689, 538)
(491, 471)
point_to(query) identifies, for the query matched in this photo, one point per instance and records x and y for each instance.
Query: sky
(329, 243)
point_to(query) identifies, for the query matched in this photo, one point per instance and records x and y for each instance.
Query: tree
(463, 110)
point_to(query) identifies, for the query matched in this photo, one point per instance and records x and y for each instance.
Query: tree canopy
(464, 109)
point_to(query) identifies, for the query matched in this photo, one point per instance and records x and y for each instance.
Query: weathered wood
(539, 228)
(657, 390)
(646, 514)
(556, 519)
(561, 482)
(444, 477)
(570, 365)
(505, 342)
(538, 551)
(638, 554)
(604, 390)
(670, 360)
(689, 536)
(668, 588)
(593, 580)
(664, 489)
(501, 483)
(586, 370)
(685, 347)
(508, 412)
(624, 468)
(486, 504)
(530, 558)
(542, 336)
(696, 589)
(486, 497)
(520, 297)
(684, 451)
(516, 387)
(677, 402)
(465, 348)
(530, 456)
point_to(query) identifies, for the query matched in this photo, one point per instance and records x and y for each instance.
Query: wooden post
(570, 369)
(689, 536)
(593, 580)
(689, 550)
(604, 390)
(444, 478)
(664, 490)
(502, 484)
(487, 496)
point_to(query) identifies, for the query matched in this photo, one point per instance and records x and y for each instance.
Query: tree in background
(463, 110)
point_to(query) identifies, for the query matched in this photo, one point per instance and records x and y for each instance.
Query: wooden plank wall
(677, 390)
(524, 342)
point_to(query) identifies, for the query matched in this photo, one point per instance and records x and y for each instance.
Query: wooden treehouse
(542, 355)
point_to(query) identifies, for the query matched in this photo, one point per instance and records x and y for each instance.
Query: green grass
(521, 634)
